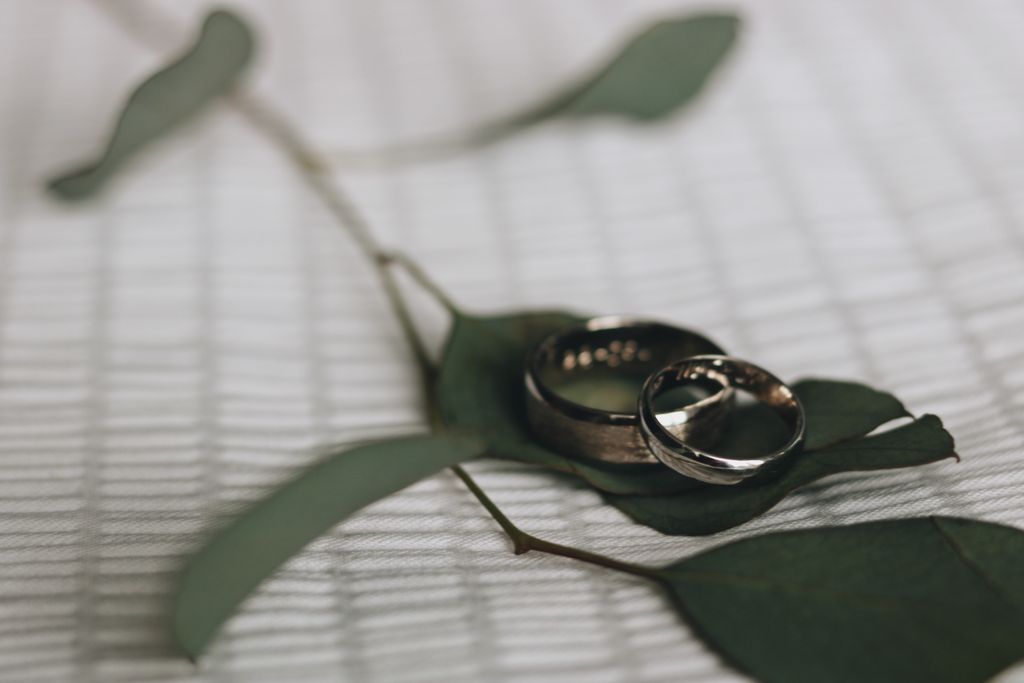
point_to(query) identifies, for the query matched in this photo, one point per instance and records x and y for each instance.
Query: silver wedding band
(616, 344)
(686, 457)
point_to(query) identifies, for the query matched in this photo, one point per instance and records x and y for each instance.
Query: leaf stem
(345, 213)
(431, 148)
(517, 535)
(523, 542)
(421, 278)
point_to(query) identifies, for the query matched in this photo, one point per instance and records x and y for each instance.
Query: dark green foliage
(932, 600)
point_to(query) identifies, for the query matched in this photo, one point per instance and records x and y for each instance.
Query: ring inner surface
(604, 369)
(765, 417)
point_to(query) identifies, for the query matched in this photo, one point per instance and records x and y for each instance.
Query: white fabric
(847, 202)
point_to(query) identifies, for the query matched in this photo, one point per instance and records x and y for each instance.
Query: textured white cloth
(847, 202)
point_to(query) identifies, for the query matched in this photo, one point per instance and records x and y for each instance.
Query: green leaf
(252, 546)
(166, 99)
(653, 75)
(837, 411)
(934, 599)
(480, 390)
(711, 509)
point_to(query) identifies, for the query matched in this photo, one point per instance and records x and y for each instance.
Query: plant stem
(523, 542)
(344, 212)
(349, 218)
(422, 279)
(432, 148)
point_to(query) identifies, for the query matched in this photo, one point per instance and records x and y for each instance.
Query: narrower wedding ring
(686, 457)
(620, 345)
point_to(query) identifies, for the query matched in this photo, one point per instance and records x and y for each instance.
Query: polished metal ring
(614, 348)
(688, 458)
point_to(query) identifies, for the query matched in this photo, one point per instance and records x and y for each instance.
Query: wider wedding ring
(684, 456)
(614, 346)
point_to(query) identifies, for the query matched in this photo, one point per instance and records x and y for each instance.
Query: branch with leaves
(936, 599)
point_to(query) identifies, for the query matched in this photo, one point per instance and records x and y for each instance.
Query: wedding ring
(615, 349)
(687, 458)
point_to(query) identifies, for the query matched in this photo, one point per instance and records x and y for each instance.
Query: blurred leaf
(653, 75)
(480, 390)
(710, 509)
(934, 599)
(656, 73)
(240, 556)
(166, 99)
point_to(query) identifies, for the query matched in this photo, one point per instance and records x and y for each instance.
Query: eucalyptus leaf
(653, 75)
(244, 553)
(837, 411)
(931, 599)
(710, 509)
(480, 390)
(211, 67)
(656, 73)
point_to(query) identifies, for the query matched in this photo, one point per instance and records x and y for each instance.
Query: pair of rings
(679, 435)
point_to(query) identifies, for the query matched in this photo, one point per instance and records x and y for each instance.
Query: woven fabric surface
(847, 201)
